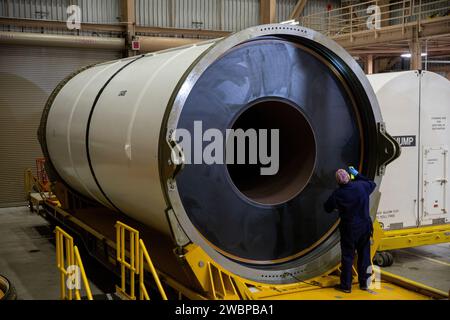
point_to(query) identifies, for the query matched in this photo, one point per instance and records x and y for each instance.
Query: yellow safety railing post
(28, 184)
(143, 294)
(67, 254)
(143, 291)
(79, 263)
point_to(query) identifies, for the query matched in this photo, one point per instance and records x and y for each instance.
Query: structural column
(368, 64)
(267, 11)
(416, 51)
(129, 18)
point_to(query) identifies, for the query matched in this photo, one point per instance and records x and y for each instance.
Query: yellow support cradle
(414, 237)
(216, 282)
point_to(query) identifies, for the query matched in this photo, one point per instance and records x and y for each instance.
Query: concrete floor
(429, 265)
(27, 255)
(27, 258)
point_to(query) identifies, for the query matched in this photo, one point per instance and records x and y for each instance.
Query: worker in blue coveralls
(351, 199)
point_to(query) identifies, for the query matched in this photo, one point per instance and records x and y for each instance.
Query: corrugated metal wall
(27, 77)
(155, 13)
(229, 15)
(95, 11)
(284, 9)
(238, 14)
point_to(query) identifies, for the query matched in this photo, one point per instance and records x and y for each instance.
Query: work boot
(339, 288)
(363, 288)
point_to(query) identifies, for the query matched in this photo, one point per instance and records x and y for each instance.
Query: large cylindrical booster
(110, 133)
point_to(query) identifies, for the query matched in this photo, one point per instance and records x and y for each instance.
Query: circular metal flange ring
(325, 254)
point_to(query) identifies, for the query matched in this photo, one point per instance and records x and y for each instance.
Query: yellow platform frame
(414, 237)
(218, 283)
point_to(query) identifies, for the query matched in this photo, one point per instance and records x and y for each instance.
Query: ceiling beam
(298, 9)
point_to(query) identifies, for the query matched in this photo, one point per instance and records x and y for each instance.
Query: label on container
(406, 141)
(438, 123)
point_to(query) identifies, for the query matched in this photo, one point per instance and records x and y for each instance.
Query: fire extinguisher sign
(406, 141)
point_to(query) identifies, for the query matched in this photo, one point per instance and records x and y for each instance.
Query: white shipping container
(415, 106)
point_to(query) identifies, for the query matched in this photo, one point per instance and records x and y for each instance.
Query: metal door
(434, 208)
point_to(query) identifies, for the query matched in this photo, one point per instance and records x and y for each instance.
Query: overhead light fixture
(408, 55)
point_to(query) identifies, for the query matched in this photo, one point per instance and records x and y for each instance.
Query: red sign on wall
(135, 45)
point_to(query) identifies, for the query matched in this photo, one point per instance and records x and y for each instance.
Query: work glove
(353, 171)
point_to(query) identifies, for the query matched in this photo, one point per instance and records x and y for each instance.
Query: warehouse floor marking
(426, 258)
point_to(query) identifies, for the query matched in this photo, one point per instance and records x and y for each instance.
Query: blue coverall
(352, 202)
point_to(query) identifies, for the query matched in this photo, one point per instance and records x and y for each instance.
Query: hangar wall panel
(94, 11)
(27, 77)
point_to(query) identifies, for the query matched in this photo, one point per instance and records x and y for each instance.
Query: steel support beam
(267, 11)
(183, 32)
(298, 9)
(116, 28)
(416, 51)
(368, 64)
(128, 18)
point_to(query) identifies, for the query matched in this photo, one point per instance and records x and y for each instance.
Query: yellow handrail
(143, 291)
(64, 243)
(27, 181)
(133, 264)
(79, 263)
(68, 256)
(138, 256)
